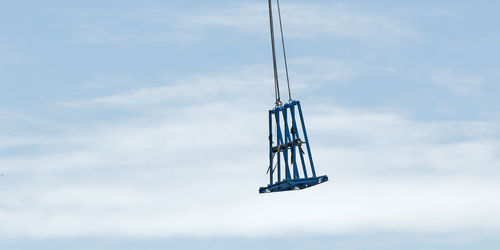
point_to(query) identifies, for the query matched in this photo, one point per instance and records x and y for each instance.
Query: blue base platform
(291, 184)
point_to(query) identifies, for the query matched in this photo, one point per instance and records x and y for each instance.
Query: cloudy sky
(143, 125)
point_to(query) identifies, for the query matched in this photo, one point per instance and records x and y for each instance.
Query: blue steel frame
(289, 143)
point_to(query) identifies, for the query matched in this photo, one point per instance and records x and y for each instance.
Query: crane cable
(284, 52)
(275, 65)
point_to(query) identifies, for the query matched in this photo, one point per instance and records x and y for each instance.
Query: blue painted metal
(289, 143)
(289, 185)
(307, 139)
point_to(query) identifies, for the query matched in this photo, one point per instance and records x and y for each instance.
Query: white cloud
(302, 21)
(443, 13)
(241, 85)
(458, 82)
(312, 21)
(321, 70)
(195, 89)
(11, 55)
(194, 168)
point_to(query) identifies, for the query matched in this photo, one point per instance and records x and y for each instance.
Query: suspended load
(291, 165)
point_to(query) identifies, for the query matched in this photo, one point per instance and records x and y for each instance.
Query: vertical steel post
(271, 147)
(296, 135)
(288, 139)
(280, 143)
(306, 138)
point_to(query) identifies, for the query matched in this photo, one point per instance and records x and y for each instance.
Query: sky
(143, 125)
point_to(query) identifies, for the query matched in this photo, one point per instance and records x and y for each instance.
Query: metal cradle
(288, 172)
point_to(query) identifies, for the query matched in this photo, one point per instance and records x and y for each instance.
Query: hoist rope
(275, 66)
(284, 51)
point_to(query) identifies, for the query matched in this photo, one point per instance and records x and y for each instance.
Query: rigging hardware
(288, 140)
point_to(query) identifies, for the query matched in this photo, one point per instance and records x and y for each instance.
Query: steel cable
(284, 51)
(275, 66)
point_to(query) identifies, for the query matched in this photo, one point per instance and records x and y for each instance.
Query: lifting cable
(275, 65)
(292, 144)
(284, 52)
